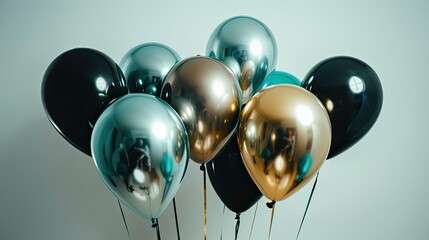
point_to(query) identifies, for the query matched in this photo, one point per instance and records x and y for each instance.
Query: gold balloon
(284, 137)
(207, 97)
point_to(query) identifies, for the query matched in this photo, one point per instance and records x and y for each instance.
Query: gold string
(203, 168)
(253, 222)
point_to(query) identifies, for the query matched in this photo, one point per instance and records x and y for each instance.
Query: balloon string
(175, 216)
(158, 235)
(221, 226)
(271, 205)
(253, 222)
(203, 168)
(123, 218)
(308, 204)
(155, 224)
(237, 225)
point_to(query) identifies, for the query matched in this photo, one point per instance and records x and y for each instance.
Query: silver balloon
(141, 150)
(248, 48)
(146, 65)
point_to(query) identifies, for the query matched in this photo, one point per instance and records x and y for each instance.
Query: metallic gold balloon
(140, 148)
(208, 99)
(248, 47)
(146, 65)
(284, 137)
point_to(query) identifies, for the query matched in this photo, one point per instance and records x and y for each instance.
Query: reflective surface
(230, 179)
(278, 77)
(352, 93)
(248, 47)
(146, 65)
(207, 97)
(140, 148)
(76, 88)
(284, 137)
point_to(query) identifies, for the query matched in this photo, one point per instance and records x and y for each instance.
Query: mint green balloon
(278, 77)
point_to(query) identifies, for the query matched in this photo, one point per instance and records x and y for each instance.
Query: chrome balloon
(208, 99)
(246, 44)
(141, 150)
(146, 65)
(284, 137)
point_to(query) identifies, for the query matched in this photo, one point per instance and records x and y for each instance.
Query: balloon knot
(154, 222)
(202, 167)
(271, 204)
(237, 216)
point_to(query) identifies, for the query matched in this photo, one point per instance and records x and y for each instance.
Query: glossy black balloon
(230, 179)
(76, 88)
(351, 93)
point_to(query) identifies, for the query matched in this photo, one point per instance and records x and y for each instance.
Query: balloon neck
(271, 204)
(154, 222)
(202, 167)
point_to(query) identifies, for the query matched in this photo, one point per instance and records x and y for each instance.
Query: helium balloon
(230, 179)
(284, 137)
(352, 93)
(278, 77)
(208, 99)
(146, 65)
(76, 88)
(248, 47)
(141, 151)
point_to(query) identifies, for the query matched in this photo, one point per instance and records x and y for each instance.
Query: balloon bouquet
(258, 131)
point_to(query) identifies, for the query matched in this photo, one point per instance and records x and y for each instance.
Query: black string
(271, 205)
(237, 225)
(123, 218)
(155, 224)
(158, 233)
(308, 204)
(175, 216)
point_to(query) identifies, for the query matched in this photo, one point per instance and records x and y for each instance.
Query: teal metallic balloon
(278, 77)
(141, 151)
(146, 65)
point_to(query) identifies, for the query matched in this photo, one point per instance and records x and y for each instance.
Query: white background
(378, 189)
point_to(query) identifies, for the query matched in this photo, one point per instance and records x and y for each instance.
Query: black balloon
(351, 93)
(76, 88)
(230, 179)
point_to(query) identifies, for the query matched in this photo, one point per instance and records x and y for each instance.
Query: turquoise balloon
(278, 77)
